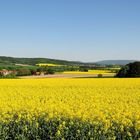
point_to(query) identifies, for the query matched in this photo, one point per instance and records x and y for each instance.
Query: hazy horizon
(78, 60)
(74, 30)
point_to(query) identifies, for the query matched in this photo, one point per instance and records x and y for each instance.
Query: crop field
(74, 108)
(45, 64)
(90, 72)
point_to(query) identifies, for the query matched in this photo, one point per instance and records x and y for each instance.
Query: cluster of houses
(5, 72)
(38, 73)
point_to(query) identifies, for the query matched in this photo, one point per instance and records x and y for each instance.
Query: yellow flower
(108, 101)
(58, 133)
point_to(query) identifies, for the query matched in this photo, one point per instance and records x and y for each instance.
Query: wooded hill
(33, 61)
(4, 60)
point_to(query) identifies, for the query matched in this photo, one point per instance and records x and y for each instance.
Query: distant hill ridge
(115, 62)
(33, 61)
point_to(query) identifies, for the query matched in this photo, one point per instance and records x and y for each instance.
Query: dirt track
(66, 76)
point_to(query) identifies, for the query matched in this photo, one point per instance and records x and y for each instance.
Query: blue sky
(81, 30)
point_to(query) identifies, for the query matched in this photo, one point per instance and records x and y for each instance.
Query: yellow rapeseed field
(107, 101)
(45, 64)
(90, 72)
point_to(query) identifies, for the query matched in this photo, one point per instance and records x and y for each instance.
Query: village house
(5, 72)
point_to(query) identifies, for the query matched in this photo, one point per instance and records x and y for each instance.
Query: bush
(100, 75)
(130, 70)
(41, 69)
(83, 70)
(50, 71)
(23, 72)
(33, 72)
(9, 76)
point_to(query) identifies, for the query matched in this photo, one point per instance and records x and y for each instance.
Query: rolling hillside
(33, 61)
(115, 62)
